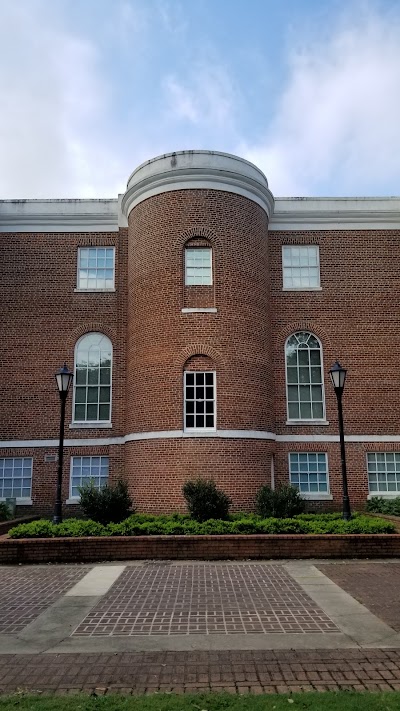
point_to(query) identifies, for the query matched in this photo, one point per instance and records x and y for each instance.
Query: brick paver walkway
(26, 592)
(205, 599)
(376, 585)
(237, 672)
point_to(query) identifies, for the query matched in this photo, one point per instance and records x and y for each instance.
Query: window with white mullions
(198, 266)
(199, 400)
(86, 470)
(300, 267)
(309, 472)
(96, 266)
(92, 382)
(304, 377)
(384, 472)
(16, 477)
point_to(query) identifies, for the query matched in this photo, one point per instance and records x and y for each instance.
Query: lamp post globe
(338, 377)
(64, 379)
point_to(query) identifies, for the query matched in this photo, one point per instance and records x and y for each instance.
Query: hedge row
(378, 504)
(176, 524)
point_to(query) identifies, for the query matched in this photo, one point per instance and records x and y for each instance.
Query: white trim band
(59, 216)
(205, 310)
(179, 434)
(297, 214)
(193, 170)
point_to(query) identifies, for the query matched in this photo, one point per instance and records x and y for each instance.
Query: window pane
(196, 404)
(300, 266)
(93, 354)
(104, 412)
(91, 267)
(198, 266)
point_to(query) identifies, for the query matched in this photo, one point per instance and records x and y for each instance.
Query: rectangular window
(86, 469)
(16, 477)
(199, 401)
(309, 472)
(384, 472)
(300, 267)
(96, 266)
(198, 268)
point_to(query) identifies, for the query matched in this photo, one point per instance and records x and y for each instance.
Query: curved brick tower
(197, 200)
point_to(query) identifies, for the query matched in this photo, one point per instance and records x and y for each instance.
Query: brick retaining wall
(5, 526)
(76, 550)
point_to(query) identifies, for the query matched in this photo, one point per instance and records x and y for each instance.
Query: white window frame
(384, 493)
(96, 288)
(300, 267)
(91, 423)
(312, 495)
(200, 283)
(21, 500)
(311, 421)
(75, 499)
(200, 429)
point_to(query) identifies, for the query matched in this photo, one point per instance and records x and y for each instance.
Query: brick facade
(242, 338)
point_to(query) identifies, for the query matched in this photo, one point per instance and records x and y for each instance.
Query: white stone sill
(384, 495)
(21, 501)
(302, 288)
(317, 497)
(299, 423)
(72, 501)
(94, 291)
(90, 425)
(206, 310)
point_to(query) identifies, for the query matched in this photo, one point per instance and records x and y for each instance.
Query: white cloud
(52, 101)
(336, 126)
(206, 98)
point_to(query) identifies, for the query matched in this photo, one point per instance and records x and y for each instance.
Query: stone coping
(224, 547)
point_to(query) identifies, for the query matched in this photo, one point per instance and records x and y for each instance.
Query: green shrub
(283, 502)
(35, 529)
(110, 504)
(146, 525)
(77, 527)
(205, 501)
(4, 511)
(378, 504)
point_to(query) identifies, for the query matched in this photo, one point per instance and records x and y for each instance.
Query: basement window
(384, 473)
(309, 472)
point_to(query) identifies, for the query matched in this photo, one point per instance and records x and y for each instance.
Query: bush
(148, 525)
(378, 504)
(4, 511)
(35, 529)
(110, 504)
(205, 501)
(283, 502)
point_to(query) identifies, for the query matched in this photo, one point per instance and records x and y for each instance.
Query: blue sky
(309, 91)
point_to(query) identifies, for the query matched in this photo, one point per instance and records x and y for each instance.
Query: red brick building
(200, 316)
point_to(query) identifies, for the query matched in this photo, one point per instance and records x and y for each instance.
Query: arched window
(304, 377)
(199, 394)
(198, 263)
(92, 382)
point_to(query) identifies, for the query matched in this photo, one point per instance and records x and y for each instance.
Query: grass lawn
(327, 701)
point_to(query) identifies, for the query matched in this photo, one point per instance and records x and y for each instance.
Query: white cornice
(298, 214)
(204, 170)
(59, 215)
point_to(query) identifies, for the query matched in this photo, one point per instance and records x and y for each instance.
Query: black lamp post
(338, 377)
(64, 379)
